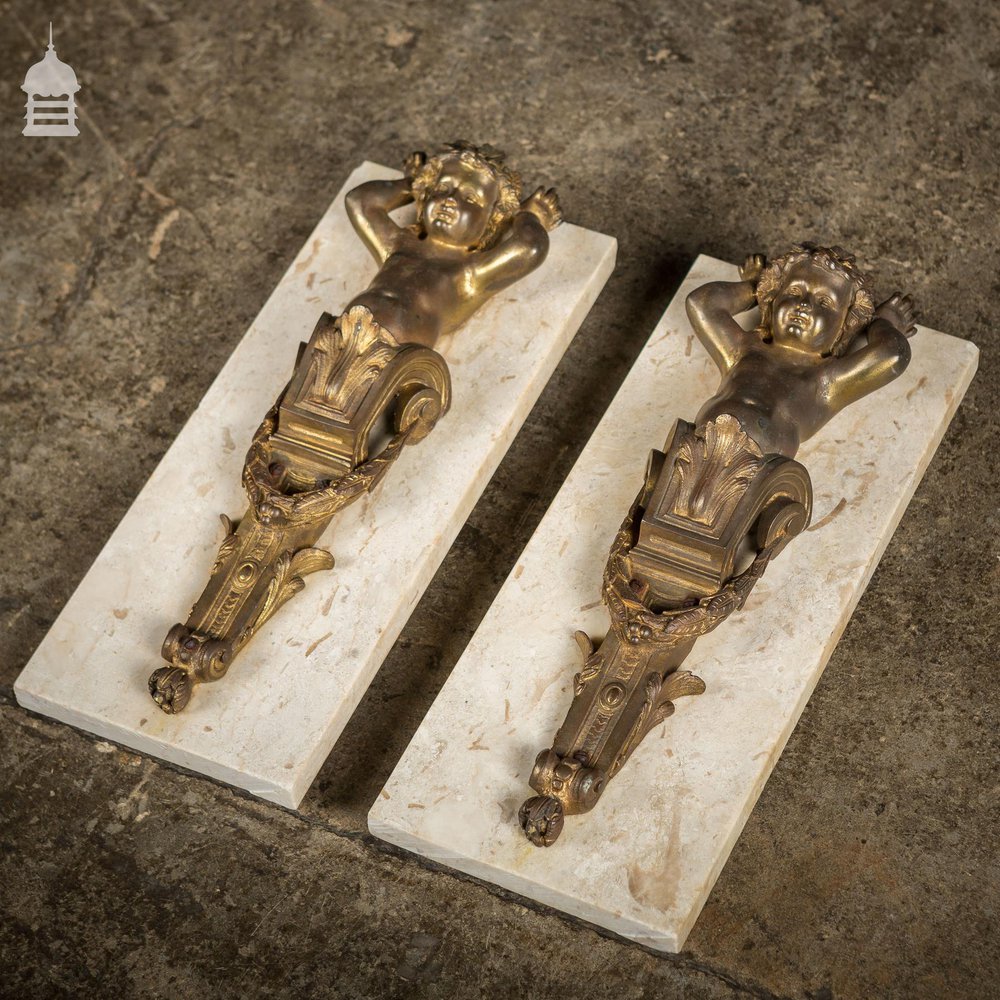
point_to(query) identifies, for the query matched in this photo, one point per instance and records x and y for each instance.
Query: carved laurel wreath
(272, 507)
(634, 622)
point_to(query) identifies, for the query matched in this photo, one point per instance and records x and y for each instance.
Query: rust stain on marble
(917, 387)
(656, 885)
(322, 638)
(864, 482)
(303, 264)
(328, 603)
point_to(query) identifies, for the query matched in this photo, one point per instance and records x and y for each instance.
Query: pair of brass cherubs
(721, 500)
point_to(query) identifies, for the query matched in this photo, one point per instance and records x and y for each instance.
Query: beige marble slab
(643, 863)
(270, 724)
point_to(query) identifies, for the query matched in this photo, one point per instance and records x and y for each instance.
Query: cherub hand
(413, 164)
(544, 206)
(752, 268)
(899, 310)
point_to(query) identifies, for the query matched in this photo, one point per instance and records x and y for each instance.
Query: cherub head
(814, 298)
(465, 195)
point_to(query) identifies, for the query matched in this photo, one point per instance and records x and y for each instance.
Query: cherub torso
(420, 294)
(777, 397)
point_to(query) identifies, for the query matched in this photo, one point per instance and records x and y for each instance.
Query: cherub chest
(773, 383)
(426, 273)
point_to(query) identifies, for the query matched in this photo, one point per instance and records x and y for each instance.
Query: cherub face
(458, 206)
(811, 307)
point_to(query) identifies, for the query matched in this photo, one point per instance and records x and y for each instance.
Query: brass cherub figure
(719, 502)
(792, 374)
(473, 236)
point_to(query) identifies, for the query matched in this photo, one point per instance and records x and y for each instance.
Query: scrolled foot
(170, 688)
(541, 819)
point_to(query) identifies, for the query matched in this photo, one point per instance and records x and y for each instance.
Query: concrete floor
(133, 259)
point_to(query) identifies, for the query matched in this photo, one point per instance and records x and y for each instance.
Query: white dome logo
(51, 86)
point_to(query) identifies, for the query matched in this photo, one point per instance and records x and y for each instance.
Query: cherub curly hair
(508, 181)
(860, 311)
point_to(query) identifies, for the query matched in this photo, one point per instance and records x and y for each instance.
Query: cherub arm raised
(712, 309)
(525, 245)
(369, 204)
(881, 360)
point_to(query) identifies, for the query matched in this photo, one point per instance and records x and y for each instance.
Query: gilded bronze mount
(351, 376)
(368, 383)
(710, 498)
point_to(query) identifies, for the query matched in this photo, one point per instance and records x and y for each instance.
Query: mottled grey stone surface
(134, 257)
